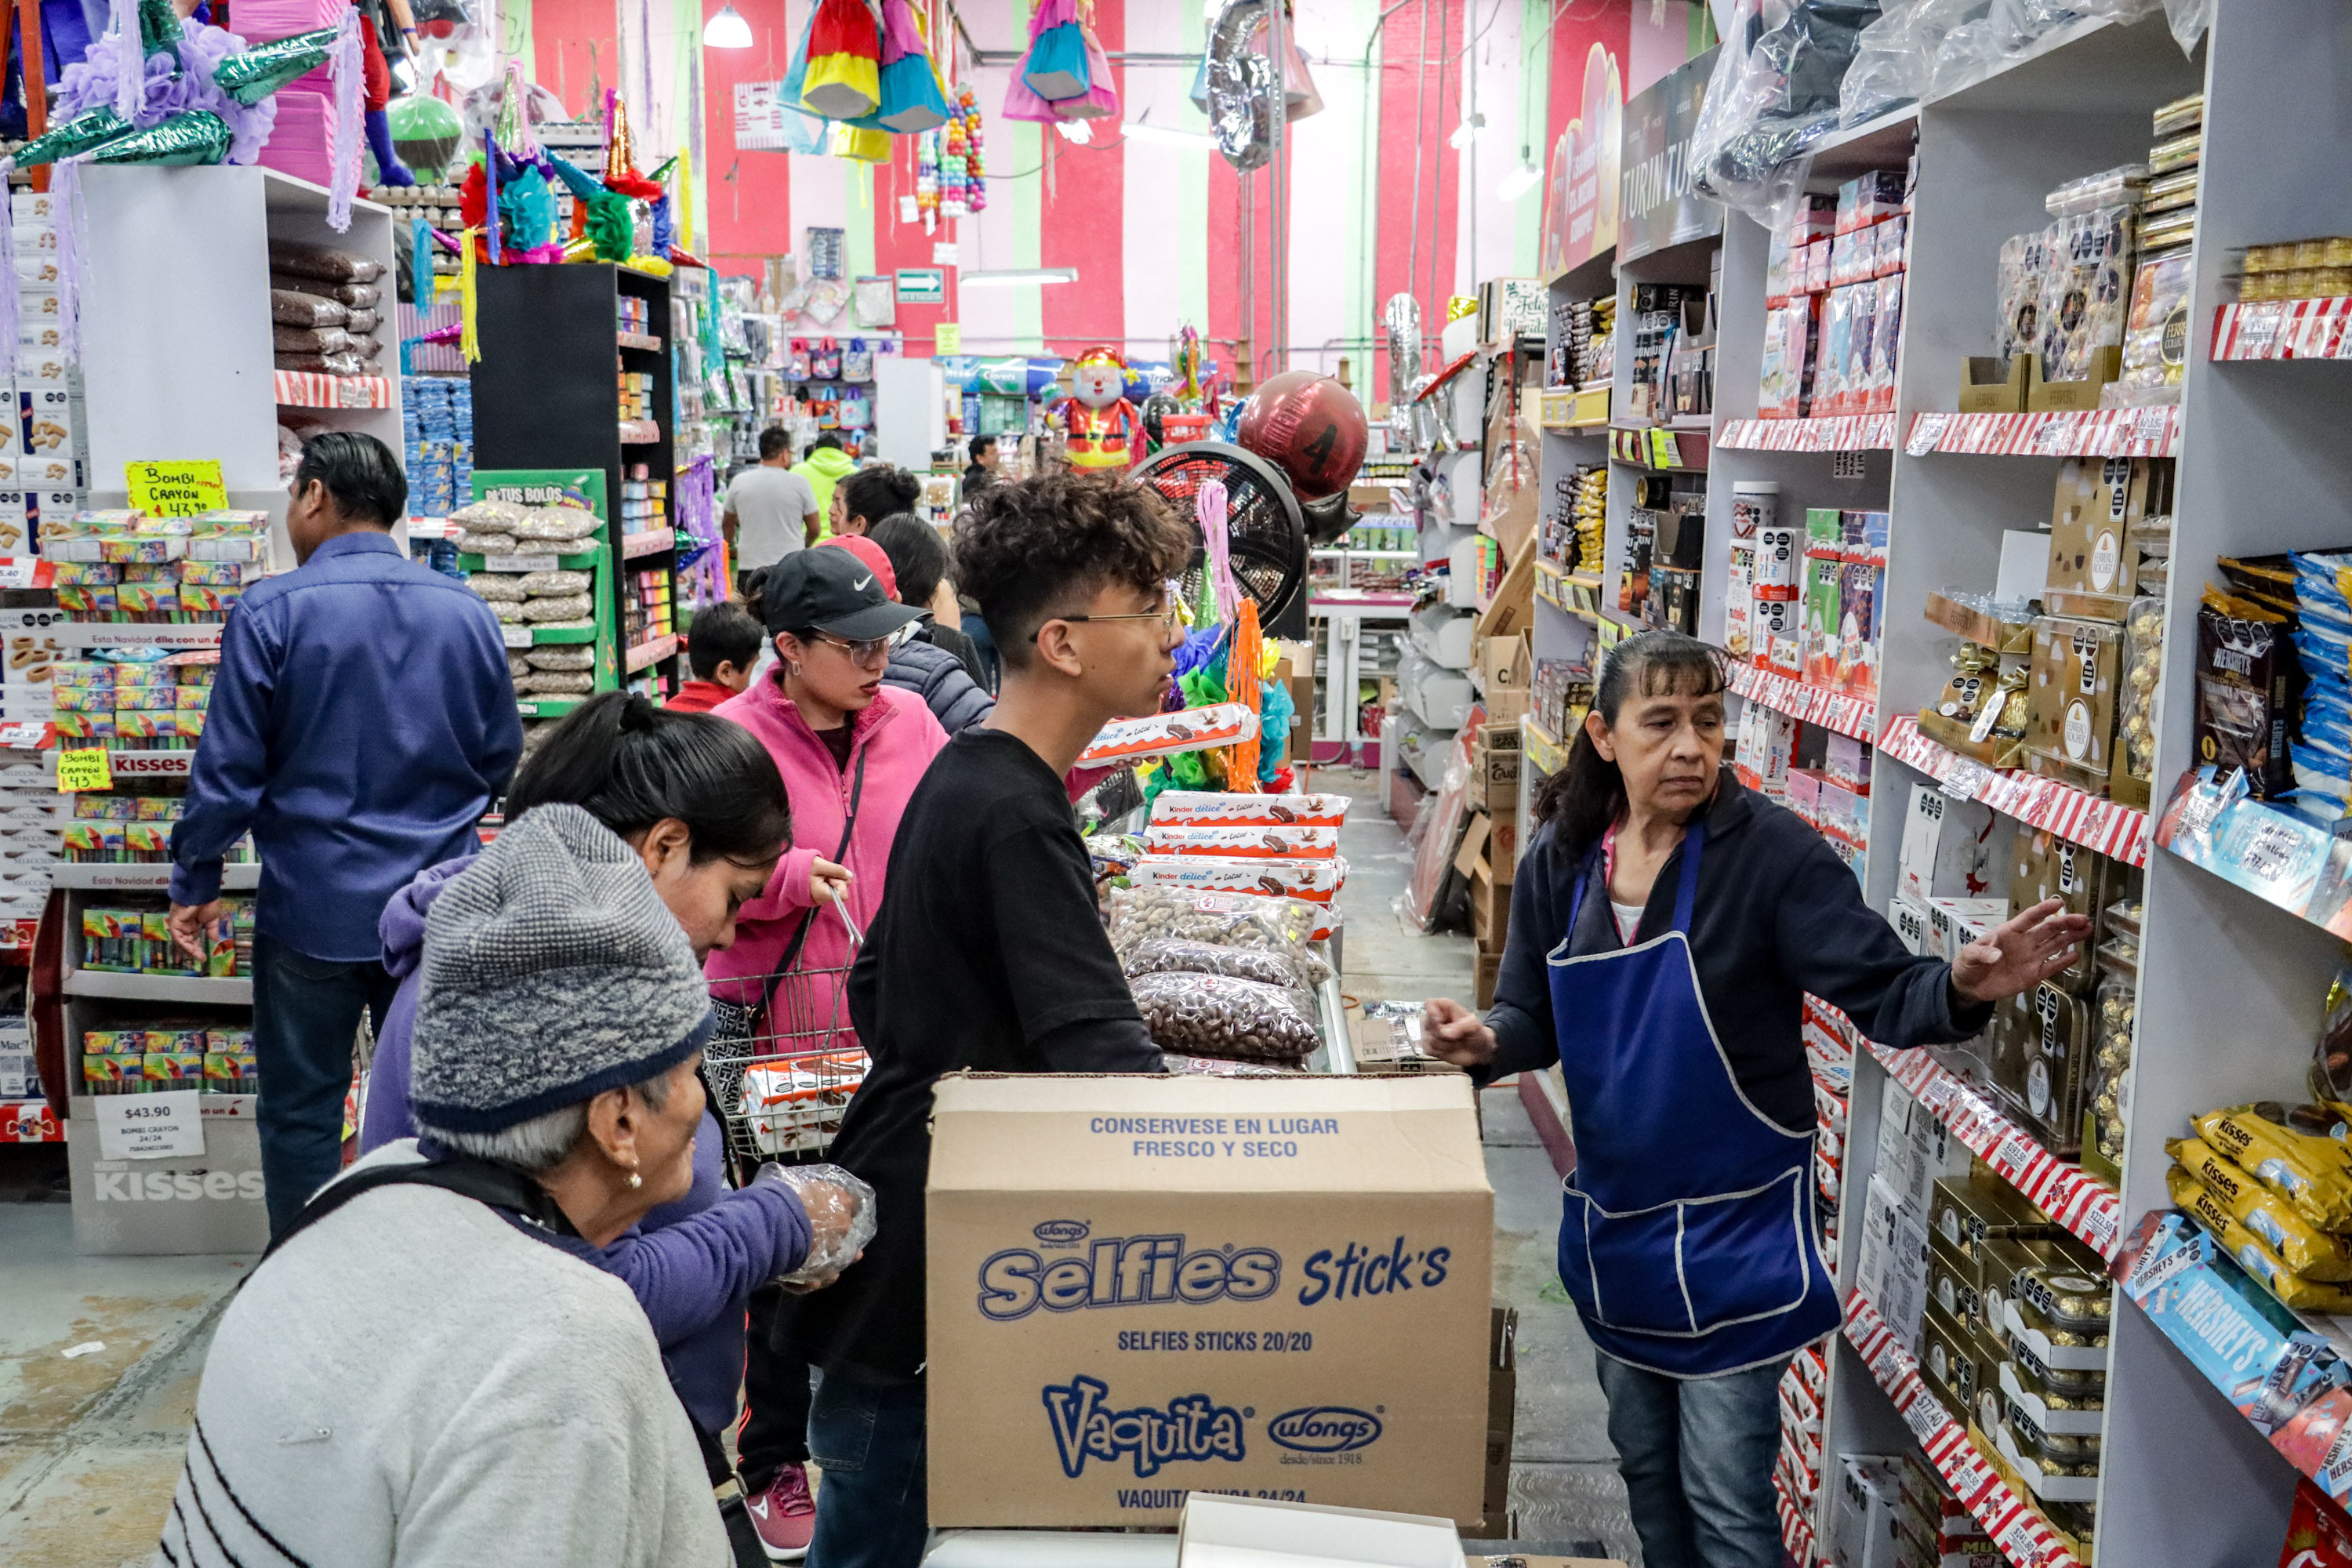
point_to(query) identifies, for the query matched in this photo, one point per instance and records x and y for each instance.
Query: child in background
(721, 647)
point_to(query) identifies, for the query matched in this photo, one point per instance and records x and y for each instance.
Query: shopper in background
(931, 673)
(722, 647)
(986, 464)
(701, 803)
(871, 494)
(437, 1372)
(852, 749)
(988, 954)
(362, 721)
(919, 559)
(772, 510)
(1666, 923)
(824, 466)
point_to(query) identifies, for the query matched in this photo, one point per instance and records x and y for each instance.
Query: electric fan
(1267, 530)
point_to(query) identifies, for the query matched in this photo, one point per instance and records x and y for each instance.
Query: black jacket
(940, 679)
(1777, 915)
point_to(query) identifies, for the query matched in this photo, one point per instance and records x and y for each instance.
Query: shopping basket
(780, 1075)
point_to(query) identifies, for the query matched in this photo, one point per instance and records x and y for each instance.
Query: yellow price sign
(946, 337)
(176, 489)
(87, 767)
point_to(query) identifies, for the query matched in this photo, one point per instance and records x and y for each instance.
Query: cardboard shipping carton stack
(1490, 844)
(1144, 1287)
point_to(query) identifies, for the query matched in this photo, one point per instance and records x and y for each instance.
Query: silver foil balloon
(1241, 86)
(1401, 316)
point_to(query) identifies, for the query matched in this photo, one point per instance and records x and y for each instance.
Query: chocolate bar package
(2248, 678)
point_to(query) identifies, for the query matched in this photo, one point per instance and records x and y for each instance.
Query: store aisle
(90, 1438)
(1564, 1484)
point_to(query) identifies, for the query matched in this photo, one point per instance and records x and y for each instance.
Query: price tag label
(1966, 777)
(2151, 424)
(2258, 329)
(23, 737)
(521, 563)
(2097, 1226)
(1925, 1417)
(88, 767)
(176, 489)
(1926, 431)
(25, 571)
(355, 391)
(2054, 437)
(514, 635)
(149, 1126)
(2013, 1153)
(946, 337)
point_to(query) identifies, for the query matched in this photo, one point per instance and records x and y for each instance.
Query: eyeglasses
(1171, 619)
(866, 650)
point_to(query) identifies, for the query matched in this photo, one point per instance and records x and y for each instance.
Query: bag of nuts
(1248, 920)
(1218, 1016)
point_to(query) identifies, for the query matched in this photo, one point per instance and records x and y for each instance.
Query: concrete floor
(91, 1442)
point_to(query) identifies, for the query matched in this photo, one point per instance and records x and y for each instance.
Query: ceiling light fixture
(1010, 275)
(1520, 181)
(726, 30)
(1469, 131)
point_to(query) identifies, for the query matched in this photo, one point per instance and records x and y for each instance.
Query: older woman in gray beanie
(431, 1371)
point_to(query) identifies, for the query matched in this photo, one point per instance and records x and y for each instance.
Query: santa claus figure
(1103, 425)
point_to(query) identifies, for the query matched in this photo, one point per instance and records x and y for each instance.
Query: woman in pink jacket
(851, 751)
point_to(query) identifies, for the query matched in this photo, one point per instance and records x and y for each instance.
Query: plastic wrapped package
(499, 587)
(1774, 92)
(2085, 293)
(562, 607)
(1227, 919)
(472, 543)
(562, 657)
(310, 340)
(2117, 1004)
(2024, 264)
(557, 683)
(287, 308)
(490, 516)
(2156, 333)
(2135, 696)
(536, 584)
(1218, 1016)
(555, 525)
(1894, 57)
(343, 363)
(842, 1220)
(323, 262)
(1169, 955)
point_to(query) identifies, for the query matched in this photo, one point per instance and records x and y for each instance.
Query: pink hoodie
(897, 738)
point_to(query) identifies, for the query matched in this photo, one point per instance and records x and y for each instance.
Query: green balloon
(198, 136)
(79, 134)
(259, 70)
(426, 132)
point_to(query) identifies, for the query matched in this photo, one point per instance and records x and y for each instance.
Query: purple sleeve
(685, 1275)
(386, 1117)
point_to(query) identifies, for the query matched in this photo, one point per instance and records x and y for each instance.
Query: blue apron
(1686, 1240)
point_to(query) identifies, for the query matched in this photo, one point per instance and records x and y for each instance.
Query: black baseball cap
(831, 591)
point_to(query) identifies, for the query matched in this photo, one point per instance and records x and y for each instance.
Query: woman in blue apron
(1666, 923)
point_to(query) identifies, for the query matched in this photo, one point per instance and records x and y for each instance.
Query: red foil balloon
(1309, 427)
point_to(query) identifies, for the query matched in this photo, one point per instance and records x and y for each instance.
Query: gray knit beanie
(552, 972)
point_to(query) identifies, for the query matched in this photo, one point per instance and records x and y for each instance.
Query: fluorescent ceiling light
(1019, 275)
(1469, 131)
(1144, 131)
(726, 30)
(1520, 181)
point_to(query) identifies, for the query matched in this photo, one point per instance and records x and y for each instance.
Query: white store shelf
(137, 987)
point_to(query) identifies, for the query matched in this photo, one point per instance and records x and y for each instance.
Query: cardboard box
(1502, 1420)
(2074, 395)
(1224, 1531)
(1990, 384)
(1490, 909)
(1490, 968)
(1505, 663)
(1175, 1232)
(1512, 610)
(1862, 1498)
(1950, 848)
(2070, 701)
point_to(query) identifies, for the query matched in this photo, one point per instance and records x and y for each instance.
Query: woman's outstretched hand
(1451, 1032)
(2019, 955)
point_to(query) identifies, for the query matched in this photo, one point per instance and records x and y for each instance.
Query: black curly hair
(1039, 547)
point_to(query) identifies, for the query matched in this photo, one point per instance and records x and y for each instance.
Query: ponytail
(1587, 793)
(630, 764)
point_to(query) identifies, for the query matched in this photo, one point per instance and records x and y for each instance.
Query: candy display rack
(2184, 1478)
(546, 397)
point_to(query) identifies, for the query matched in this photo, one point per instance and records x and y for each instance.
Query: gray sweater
(417, 1381)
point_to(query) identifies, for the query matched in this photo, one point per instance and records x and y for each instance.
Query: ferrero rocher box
(1144, 1287)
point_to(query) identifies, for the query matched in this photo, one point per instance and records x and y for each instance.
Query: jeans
(1697, 1455)
(774, 1432)
(872, 1507)
(306, 1018)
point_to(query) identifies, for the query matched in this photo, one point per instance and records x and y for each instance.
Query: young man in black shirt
(987, 953)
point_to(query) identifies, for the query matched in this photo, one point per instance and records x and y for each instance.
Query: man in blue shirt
(363, 720)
